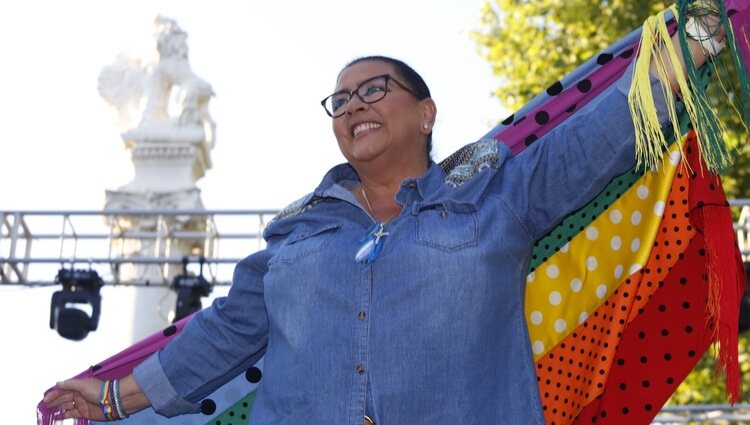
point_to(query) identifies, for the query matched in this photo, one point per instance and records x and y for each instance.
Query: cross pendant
(379, 234)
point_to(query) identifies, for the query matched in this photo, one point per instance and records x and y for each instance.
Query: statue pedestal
(167, 164)
(166, 159)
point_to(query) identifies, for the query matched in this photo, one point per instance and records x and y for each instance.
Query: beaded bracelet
(119, 408)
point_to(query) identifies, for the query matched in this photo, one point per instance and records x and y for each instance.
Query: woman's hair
(412, 79)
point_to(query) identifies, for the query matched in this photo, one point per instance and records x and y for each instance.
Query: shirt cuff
(155, 385)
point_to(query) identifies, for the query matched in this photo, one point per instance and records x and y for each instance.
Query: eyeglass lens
(370, 91)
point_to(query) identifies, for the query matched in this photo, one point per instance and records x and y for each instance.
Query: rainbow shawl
(649, 270)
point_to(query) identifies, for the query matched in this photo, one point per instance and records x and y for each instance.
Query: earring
(426, 126)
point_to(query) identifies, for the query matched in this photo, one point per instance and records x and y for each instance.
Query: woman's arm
(575, 160)
(215, 346)
(82, 398)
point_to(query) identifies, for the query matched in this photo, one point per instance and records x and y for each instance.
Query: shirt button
(361, 315)
(360, 368)
(412, 185)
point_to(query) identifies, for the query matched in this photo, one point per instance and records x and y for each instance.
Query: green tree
(530, 44)
(533, 43)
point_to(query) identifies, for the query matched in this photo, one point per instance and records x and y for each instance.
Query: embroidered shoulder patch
(468, 161)
(297, 207)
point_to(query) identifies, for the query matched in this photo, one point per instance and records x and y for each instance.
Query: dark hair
(412, 79)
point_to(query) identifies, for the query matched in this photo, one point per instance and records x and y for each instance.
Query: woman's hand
(82, 398)
(76, 398)
(710, 25)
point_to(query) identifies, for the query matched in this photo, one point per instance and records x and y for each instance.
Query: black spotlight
(80, 287)
(190, 289)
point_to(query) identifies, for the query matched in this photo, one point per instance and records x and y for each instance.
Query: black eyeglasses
(370, 91)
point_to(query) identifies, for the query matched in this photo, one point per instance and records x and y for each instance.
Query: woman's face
(390, 129)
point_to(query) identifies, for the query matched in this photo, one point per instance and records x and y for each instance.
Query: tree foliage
(530, 44)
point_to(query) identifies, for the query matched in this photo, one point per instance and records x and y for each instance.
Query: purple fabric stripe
(739, 17)
(584, 84)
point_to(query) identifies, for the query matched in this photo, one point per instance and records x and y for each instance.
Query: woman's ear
(429, 112)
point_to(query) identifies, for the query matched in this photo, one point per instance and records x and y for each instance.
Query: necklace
(371, 246)
(367, 201)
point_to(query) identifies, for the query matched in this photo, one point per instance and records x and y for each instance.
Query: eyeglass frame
(351, 93)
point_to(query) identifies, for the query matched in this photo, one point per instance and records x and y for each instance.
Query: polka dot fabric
(565, 289)
(577, 221)
(630, 353)
(575, 372)
(658, 349)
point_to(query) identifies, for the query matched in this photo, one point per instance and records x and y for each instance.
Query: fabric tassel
(655, 46)
(46, 416)
(726, 287)
(709, 126)
(725, 271)
(726, 282)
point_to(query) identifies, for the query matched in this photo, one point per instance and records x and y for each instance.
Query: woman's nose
(355, 104)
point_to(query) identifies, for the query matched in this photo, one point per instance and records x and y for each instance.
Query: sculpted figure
(175, 95)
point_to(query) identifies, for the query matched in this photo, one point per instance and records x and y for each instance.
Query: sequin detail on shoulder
(297, 207)
(468, 161)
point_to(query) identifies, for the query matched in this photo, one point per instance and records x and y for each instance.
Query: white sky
(269, 63)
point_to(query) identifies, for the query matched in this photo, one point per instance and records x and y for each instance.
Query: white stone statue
(169, 103)
(176, 99)
(164, 110)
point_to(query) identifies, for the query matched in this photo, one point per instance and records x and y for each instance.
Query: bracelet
(698, 32)
(110, 400)
(105, 399)
(117, 400)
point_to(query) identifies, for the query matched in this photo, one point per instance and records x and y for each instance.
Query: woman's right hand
(77, 398)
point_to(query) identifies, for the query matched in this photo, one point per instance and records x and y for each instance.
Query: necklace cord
(367, 201)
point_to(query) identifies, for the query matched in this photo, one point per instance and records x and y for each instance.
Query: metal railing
(704, 414)
(35, 244)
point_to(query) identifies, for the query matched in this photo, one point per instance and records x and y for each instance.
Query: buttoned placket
(361, 333)
(360, 343)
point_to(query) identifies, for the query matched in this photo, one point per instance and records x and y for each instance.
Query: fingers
(78, 385)
(56, 398)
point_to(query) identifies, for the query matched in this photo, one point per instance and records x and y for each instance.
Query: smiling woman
(394, 293)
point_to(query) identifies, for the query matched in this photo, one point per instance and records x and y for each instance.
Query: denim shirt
(431, 332)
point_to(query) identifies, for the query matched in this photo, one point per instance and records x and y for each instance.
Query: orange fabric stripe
(575, 371)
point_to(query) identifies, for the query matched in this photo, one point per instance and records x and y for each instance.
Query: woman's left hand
(76, 398)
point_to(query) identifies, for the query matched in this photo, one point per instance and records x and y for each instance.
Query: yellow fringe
(656, 43)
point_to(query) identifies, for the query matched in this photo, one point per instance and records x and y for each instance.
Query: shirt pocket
(304, 242)
(447, 226)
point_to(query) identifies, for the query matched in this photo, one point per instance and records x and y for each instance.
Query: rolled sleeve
(155, 385)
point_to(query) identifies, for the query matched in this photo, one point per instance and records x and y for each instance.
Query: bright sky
(269, 63)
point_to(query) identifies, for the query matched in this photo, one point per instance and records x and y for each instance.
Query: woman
(393, 293)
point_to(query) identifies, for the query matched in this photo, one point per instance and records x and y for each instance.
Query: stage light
(80, 289)
(190, 289)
